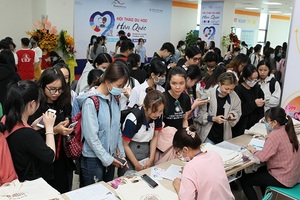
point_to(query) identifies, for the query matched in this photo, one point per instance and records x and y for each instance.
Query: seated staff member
(178, 102)
(156, 77)
(142, 144)
(280, 152)
(203, 177)
(224, 104)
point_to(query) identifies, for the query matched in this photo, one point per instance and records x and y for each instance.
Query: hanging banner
(150, 20)
(291, 90)
(211, 21)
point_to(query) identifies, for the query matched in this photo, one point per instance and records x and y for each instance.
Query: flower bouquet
(66, 44)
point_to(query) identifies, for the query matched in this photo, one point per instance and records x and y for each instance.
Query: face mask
(33, 44)
(94, 40)
(30, 46)
(279, 54)
(183, 46)
(250, 83)
(184, 159)
(160, 81)
(272, 56)
(268, 127)
(167, 59)
(116, 91)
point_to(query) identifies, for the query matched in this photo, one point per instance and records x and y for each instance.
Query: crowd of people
(205, 97)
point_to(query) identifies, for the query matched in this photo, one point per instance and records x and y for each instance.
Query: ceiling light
(272, 3)
(249, 8)
(274, 11)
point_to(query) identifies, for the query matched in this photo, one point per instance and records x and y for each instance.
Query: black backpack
(138, 115)
(272, 83)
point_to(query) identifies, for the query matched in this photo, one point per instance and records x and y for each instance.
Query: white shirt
(123, 99)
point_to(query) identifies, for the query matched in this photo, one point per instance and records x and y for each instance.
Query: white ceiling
(284, 9)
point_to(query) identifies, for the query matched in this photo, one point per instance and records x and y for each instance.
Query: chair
(273, 192)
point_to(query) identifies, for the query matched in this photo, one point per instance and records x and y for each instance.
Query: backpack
(272, 83)
(73, 143)
(7, 169)
(138, 115)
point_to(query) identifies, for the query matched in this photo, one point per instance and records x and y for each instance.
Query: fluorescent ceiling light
(249, 8)
(272, 3)
(274, 11)
(287, 13)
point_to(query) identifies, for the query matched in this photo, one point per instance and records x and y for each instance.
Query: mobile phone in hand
(205, 99)
(73, 124)
(41, 123)
(149, 180)
(124, 162)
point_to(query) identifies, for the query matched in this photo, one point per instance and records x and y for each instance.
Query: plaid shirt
(282, 163)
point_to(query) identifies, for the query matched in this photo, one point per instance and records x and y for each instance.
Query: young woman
(58, 97)
(30, 153)
(222, 112)
(34, 40)
(252, 100)
(101, 131)
(255, 57)
(156, 78)
(136, 71)
(142, 144)
(97, 48)
(140, 49)
(93, 39)
(203, 177)
(268, 84)
(175, 114)
(192, 57)
(280, 152)
(237, 65)
(101, 62)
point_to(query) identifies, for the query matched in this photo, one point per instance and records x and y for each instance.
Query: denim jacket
(101, 132)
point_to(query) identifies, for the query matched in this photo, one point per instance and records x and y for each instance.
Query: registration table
(242, 140)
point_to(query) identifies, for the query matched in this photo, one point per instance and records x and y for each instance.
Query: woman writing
(203, 177)
(280, 153)
(30, 153)
(101, 130)
(222, 112)
(142, 144)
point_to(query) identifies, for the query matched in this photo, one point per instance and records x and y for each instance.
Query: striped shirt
(282, 163)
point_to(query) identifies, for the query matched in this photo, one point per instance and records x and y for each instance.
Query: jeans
(92, 171)
(260, 178)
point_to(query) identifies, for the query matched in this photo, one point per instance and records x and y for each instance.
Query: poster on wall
(211, 21)
(291, 92)
(148, 19)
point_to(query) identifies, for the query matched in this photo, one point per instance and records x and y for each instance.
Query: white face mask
(272, 56)
(251, 83)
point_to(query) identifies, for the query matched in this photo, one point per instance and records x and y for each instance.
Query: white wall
(183, 20)
(278, 31)
(15, 19)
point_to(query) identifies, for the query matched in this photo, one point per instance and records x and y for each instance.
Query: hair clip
(191, 133)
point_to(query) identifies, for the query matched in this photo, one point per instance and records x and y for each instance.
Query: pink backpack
(7, 169)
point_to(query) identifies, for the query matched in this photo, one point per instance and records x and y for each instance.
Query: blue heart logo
(209, 32)
(102, 21)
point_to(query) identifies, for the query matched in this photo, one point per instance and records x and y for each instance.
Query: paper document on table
(157, 173)
(96, 191)
(257, 143)
(230, 146)
(174, 171)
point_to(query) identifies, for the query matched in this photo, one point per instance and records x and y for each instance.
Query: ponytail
(289, 128)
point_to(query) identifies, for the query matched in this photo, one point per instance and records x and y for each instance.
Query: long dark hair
(50, 75)
(183, 139)
(278, 114)
(18, 95)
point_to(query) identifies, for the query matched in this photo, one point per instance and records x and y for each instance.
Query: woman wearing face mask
(280, 153)
(252, 100)
(203, 177)
(223, 112)
(101, 131)
(101, 62)
(156, 73)
(269, 85)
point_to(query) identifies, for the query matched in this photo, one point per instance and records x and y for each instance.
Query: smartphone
(73, 124)
(205, 99)
(124, 162)
(41, 123)
(149, 180)
(229, 119)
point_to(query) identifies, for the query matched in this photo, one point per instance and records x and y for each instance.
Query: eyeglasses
(195, 59)
(177, 152)
(54, 90)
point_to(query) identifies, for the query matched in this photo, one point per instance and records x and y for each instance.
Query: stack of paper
(258, 144)
(230, 158)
